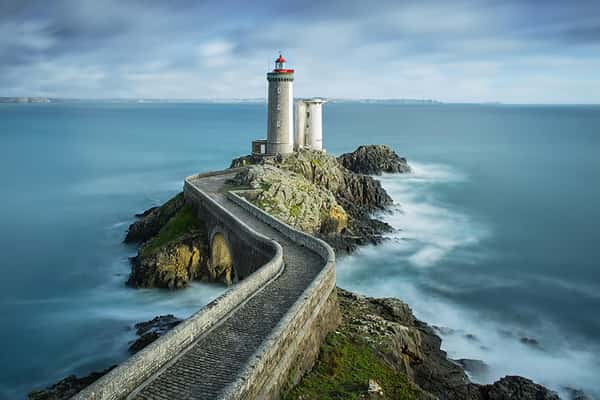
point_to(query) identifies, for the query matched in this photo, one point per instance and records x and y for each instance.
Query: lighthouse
(287, 132)
(280, 120)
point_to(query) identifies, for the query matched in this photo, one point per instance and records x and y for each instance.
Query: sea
(496, 242)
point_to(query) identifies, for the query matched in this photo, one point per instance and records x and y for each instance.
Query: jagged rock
(373, 160)
(516, 388)
(176, 255)
(476, 368)
(68, 387)
(244, 161)
(292, 198)
(151, 330)
(312, 191)
(171, 266)
(152, 220)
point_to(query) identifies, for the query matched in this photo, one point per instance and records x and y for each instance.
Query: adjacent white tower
(280, 129)
(309, 124)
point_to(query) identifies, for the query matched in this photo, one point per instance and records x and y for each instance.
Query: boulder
(374, 160)
(516, 388)
(149, 331)
(68, 387)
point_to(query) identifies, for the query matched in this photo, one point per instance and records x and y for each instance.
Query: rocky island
(379, 350)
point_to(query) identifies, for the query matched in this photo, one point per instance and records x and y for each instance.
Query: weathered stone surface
(312, 191)
(171, 266)
(476, 368)
(516, 388)
(67, 387)
(152, 220)
(151, 330)
(292, 198)
(373, 160)
(220, 267)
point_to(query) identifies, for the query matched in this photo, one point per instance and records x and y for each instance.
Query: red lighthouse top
(280, 66)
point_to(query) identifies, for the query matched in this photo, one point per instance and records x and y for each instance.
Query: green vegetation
(295, 210)
(185, 221)
(343, 371)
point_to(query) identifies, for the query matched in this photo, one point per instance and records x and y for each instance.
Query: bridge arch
(221, 262)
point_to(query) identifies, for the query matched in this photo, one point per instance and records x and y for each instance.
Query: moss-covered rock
(176, 255)
(291, 197)
(373, 160)
(151, 221)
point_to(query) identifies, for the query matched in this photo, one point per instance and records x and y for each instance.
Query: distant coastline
(25, 100)
(217, 101)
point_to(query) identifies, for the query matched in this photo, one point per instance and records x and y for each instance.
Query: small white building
(308, 124)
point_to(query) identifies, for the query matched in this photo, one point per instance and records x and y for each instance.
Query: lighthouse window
(278, 106)
(278, 90)
(308, 114)
(278, 123)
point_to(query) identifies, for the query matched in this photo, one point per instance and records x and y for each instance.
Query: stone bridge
(262, 334)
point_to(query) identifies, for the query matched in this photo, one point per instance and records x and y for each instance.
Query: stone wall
(249, 252)
(293, 347)
(122, 380)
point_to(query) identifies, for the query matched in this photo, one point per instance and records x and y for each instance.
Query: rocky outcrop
(149, 331)
(66, 388)
(383, 342)
(314, 192)
(172, 265)
(293, 199)
(373, 160)
(515, 388)
(151, 221)
(175, 255)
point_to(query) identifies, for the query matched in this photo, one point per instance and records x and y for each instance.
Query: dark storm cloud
(461, 50)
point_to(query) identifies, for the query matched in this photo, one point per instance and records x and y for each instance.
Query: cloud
(459, 51)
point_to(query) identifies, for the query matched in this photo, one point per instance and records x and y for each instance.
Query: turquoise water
(498, 240)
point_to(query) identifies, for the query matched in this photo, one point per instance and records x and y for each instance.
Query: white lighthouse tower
(286, 134)
(280, 120)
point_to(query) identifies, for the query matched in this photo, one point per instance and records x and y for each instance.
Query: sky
(527, 51)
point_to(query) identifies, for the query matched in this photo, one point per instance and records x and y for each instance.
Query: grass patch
(343, 371)
(295, 210)
(184, 221)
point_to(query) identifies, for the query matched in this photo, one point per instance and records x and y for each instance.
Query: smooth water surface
(497, 242)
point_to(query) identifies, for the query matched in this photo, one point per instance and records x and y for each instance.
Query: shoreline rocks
(151, 221)
(67, 387)
(374, 160)
(149, 331)
(411, 350)
(313, 191)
